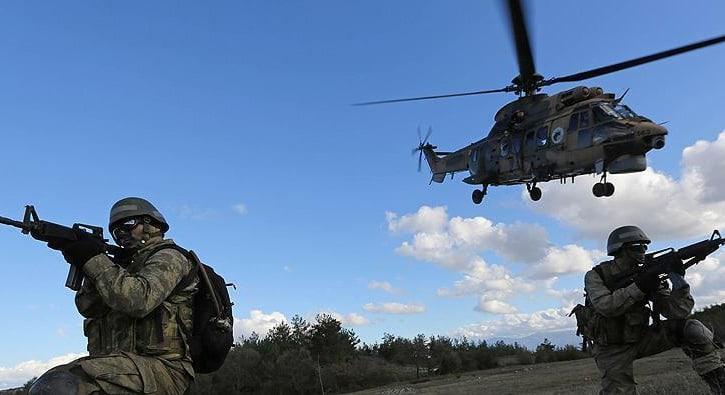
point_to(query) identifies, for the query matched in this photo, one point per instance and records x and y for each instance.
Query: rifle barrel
(12, 222)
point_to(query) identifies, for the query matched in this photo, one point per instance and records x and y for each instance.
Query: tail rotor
(422, 144)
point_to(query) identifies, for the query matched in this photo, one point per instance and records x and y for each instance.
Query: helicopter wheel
(608, 189)
(599, 189)
(477, 196)
(535, 193)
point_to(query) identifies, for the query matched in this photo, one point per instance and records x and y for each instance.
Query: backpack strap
(600, 271)
(197, 269)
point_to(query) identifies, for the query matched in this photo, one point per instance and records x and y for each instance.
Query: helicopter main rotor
(529, 81)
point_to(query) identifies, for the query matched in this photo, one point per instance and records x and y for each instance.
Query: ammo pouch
(627, 328)
(585, 320)
(624, 329)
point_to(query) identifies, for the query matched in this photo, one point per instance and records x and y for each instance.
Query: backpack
(212, 335)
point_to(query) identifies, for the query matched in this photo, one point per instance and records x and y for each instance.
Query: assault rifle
(670, 260)
(58, 234)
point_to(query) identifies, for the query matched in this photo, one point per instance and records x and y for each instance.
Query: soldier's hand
(647, 282)
(57, 244)
(678, 267)
(78, 252)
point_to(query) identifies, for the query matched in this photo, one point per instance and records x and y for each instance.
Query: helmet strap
(149, 231)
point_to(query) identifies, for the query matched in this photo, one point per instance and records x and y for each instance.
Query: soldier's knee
(697, 336)
(57, 382)
(696, 332)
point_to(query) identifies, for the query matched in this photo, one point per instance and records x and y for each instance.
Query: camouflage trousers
(123, 373)
(615, 362)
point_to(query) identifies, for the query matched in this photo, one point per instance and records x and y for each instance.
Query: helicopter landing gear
(534, 191)
(603, 188)
(478, 194)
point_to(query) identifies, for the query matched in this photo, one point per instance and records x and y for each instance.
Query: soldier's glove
(78, 252)
(647, 282)
(677, 281)
(678, 267)
(57, 244)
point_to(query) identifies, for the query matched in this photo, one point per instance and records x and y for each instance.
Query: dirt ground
(666, 373)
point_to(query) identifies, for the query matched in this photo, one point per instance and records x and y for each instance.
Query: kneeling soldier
(621, 330)
(138, 309)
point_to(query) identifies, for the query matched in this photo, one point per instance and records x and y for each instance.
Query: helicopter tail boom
(442, 163)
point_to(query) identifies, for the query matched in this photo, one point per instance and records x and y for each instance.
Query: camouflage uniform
(137, 315)
(623, 333)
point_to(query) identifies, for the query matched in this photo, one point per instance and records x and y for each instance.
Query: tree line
(324, 357)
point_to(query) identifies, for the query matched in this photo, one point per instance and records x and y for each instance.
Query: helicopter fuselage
(539, 138)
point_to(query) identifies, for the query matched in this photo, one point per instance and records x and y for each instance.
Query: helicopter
(538, 137)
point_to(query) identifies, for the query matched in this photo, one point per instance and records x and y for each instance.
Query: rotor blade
(427, 135)
(521, 39)
(420, 160)
(634, 62)
(506, 89)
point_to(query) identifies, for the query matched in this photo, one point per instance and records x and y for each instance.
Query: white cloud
(665, 207)
(458, 243)
(519, 325)
(383, 286)
(568, 259)
(394, 308)
(240, 208)
(427, 219)
(258, 322)
(352, 319)
(495, 307)
(187, 212)
(19, 374)
(706, 279)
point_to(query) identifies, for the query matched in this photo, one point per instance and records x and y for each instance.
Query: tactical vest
(157, 334)
(624, 329)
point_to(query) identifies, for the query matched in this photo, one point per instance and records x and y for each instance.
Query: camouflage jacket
(622, 314)
(138, 307)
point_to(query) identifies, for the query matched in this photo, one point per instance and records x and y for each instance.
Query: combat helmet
(132, 207)
(624, 235)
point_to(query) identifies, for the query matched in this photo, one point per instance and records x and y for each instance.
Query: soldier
(137, 308)
(621, 331)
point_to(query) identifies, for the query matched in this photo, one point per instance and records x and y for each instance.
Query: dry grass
(666, 373)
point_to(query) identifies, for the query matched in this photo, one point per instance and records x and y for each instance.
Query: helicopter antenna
(621, 97)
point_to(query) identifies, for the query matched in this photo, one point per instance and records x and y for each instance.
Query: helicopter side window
(505, 146)
(584, 138)
(529, 143)
(541, 136)
(515, 146)
(574, 121)
(584, 119)
(599, 134)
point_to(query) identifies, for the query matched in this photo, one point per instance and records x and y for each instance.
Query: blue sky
(202, 109)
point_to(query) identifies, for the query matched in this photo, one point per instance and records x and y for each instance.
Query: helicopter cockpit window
(541, 136)
(603, 112)
(625, 111)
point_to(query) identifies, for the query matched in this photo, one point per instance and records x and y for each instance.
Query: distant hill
(558, 338)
